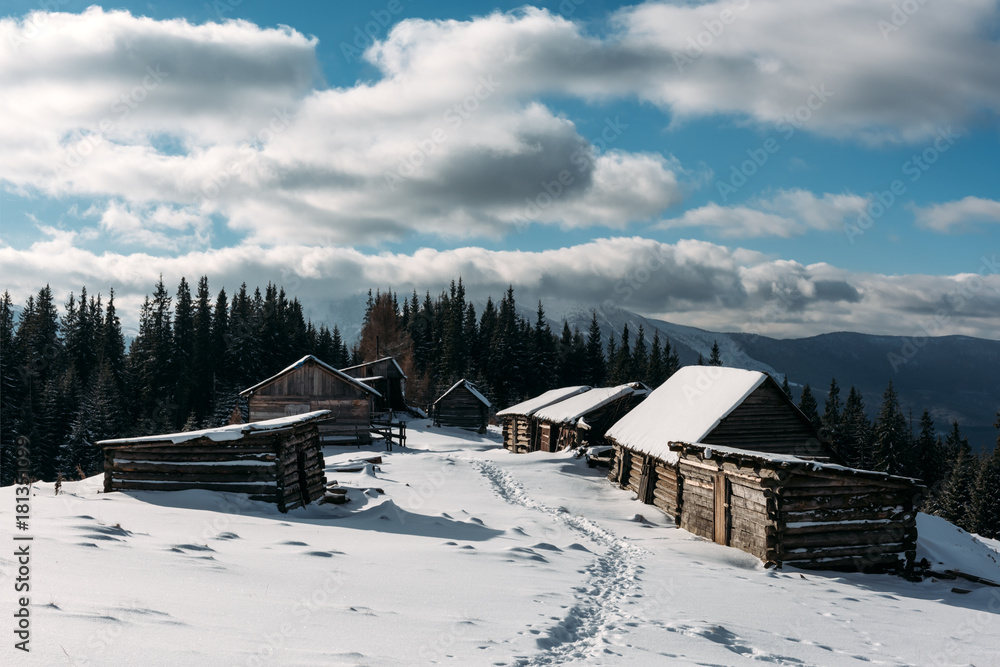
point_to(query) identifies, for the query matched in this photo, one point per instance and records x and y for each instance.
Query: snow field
(472, 556)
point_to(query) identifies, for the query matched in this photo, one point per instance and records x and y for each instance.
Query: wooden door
(647, 481)
(721, 509)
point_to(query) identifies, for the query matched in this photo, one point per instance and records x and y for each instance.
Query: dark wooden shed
(706, 404)
(277, 460)
(583, 420)
(386, 376)
(790, 511)
(310, 384)
(462, 406)
(520, 432)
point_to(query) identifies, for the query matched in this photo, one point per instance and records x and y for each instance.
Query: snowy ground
(471, 556)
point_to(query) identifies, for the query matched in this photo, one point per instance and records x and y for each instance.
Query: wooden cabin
(729, 456)
(582, 420)
(519, 430)
(386, 376)
(462, 406)
(308, 385)
(792, 511)
(278, 460)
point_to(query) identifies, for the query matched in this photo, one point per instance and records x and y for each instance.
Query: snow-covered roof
(342, 375)
(530, 406)
(222, 433)
(708, 451)
(472, 390)
(685, 408)
(370, 363)
(575, 407)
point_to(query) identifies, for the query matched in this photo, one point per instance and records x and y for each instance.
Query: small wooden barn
(582, 420)
(308, 385)
(791, 511)
(386, 376)
(519, 430)
(278, 460)
(462, 406)
(729, 456)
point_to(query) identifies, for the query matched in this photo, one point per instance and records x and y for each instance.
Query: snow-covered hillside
(452, 551)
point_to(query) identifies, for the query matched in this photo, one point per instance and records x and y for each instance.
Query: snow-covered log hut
(792, 511)
(463, 406)
(386, 376)
(278, 460)
(519, 432)
(308, 385)
(582, 420)
(723, 406)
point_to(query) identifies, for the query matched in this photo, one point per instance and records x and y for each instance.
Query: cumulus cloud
(787, 213)
(688, 282)
(231, 120)
(958, 215)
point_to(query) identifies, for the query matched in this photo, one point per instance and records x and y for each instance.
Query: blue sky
(434, 147)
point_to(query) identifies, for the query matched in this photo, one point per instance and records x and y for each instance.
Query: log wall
(462, 409)
(285, 466)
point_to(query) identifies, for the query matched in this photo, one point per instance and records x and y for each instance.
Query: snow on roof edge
(375, 361)
(472, 389)
(342, 375)
(552, 412)
(222, 433)
(554, 396)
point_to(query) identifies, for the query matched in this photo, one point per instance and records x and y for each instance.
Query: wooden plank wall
(846, 522)
(697, 500)
(461, 409)
(665, 491)
(265, 465)
(764, 422)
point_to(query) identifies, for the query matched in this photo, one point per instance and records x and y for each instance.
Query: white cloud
(955, 216)
(788, 213)
(689, 282)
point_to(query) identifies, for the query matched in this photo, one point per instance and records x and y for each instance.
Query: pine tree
(543, 355)
(716, 358)
(640, 358)
(622, 362)
(930, 456)
(807, 404)
(10, 392)
(183, 356)
(894, 452)
(985, 509)
(595, 353)
(203, 357)
(671, 361)
(856, 449)
(655, 372)
(784, 382)
(956, 495)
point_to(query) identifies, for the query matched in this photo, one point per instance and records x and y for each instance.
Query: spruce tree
(595, 353)
(640, 358)
(856, 448)
(715, 359)
(956, 495)
(894, 452)
(10, 392)
(985, 499)
(930, 457)
(807, 404)
(784, 382)
(655, 371)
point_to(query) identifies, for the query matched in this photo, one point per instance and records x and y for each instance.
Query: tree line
(68, 379)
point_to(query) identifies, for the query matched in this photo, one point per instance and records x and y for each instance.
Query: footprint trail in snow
(610, 577)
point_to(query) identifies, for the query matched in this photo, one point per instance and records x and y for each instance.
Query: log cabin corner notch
(308, 385)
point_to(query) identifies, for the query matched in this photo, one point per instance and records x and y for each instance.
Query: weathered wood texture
(389, 382)
(797, 515)
(282, 466)
(766, 421)
(462, 409)
(519, 434)
(313, 387)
